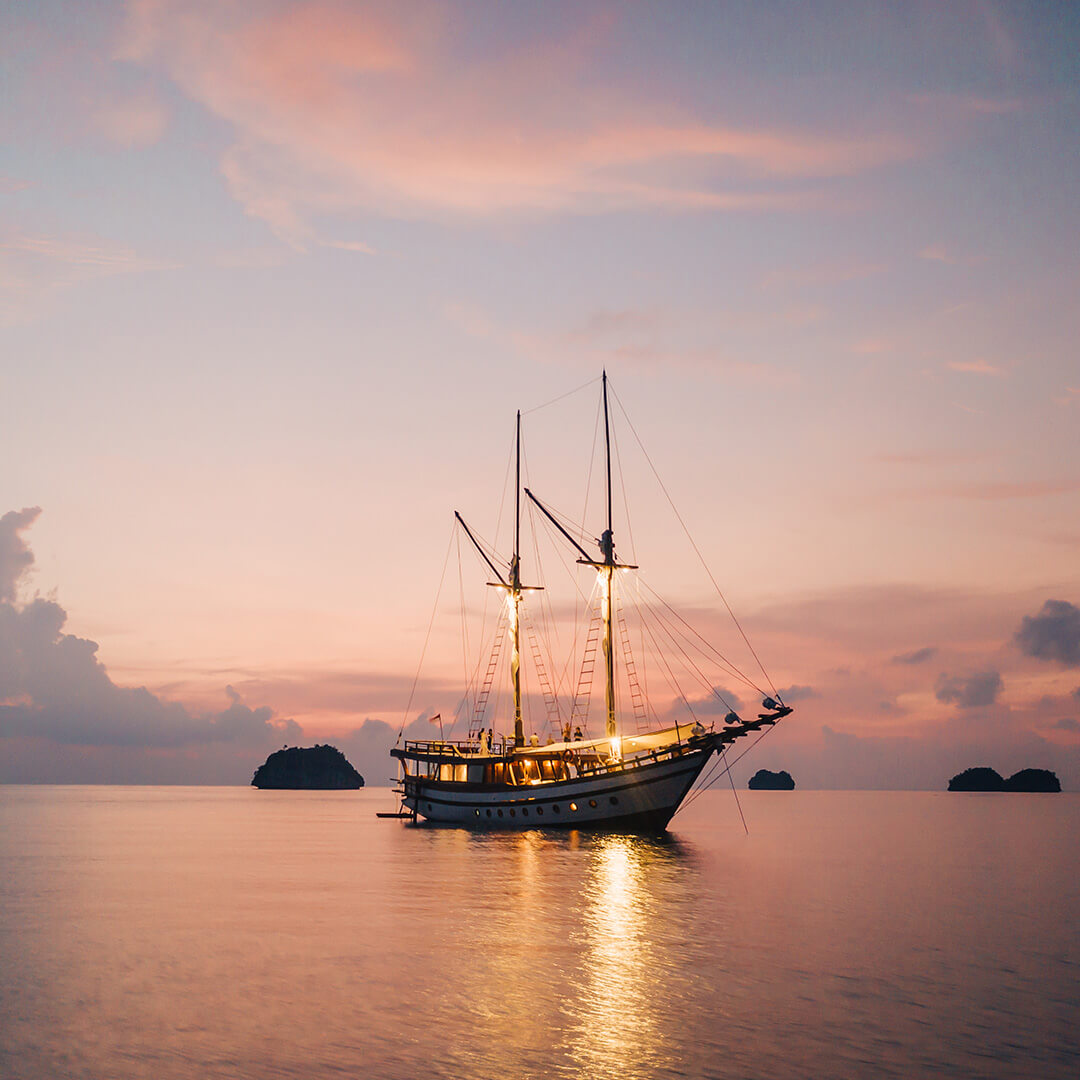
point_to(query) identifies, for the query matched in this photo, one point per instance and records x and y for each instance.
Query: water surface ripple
(229, 933)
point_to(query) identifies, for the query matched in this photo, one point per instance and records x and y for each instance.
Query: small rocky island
(985, 779)
(297, 768)
(763, 780)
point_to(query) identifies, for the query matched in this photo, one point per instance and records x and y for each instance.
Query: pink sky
(275, 276)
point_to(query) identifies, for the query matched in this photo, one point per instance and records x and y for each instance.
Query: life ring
(569, 756)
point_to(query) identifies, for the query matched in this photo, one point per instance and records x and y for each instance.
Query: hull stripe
(428, 793)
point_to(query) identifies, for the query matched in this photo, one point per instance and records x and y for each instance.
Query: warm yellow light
(573, 806)
(616, 748)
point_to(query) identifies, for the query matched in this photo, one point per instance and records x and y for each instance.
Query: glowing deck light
(616, 748)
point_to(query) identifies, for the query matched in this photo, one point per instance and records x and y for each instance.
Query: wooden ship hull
(642, 796)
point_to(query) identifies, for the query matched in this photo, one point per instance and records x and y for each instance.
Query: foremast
(512, 586)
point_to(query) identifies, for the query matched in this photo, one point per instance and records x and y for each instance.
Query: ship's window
(446, 772)
(592, 802)
(513, 813)
(551, 770)
(614, 800)
(539, 811)
(477, 813)
(555, 808)
(573, 806)
(500, 813)
(525, 771)
(461, 773)
(489, 813)
(524, 811)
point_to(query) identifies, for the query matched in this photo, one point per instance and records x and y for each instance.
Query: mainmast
(607, 547)
(515, 594)
(606, 569)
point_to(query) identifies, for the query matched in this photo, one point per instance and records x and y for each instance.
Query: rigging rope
(427, 636)
(730, 667)
(705, 681)
(569, 393)
(697, 550)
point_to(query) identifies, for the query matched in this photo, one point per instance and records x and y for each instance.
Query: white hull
(641, 796)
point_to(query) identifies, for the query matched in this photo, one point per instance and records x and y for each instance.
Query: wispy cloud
(933, 458)
(139, 121)
(975, 367)
(638, 340)
(968, 104)
(338, 107)
(942, 254)
(95, 255)
(1029, 489)
(33, 265)
(350, 245)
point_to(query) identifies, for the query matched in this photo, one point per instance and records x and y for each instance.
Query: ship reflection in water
(228, 933)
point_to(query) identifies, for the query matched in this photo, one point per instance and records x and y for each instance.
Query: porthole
(573, 806)
(500, 813)
(539, 811)
(489, 813)
(513, 813)
(477, 813)
(555, 808)
(592, 802)
(614, 800)
(524, 811)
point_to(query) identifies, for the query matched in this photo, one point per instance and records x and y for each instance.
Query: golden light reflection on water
(618, 1033)
(194, 933)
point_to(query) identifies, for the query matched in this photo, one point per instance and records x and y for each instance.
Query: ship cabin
(472, 761)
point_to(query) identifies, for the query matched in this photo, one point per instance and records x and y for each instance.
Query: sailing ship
(622, 780)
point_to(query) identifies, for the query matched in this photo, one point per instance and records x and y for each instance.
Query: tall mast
(606, 569)
(607, 546)
(512, 586)
(515, 594)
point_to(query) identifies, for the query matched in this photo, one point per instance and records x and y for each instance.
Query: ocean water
(220, 932)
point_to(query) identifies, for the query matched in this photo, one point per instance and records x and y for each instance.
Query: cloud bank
(1052, 634)
(53, 687)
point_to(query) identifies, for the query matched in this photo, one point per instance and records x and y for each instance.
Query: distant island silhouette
(982, 778)
(318, 768)
(763, 780)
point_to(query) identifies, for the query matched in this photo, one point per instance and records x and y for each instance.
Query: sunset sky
(274, 278)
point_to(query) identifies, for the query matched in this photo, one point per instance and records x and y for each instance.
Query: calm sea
(219, 932)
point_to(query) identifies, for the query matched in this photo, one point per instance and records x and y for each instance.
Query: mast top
(607, 539)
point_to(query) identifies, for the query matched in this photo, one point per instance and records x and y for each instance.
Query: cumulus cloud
(53, 686)
(971, 691)
(918, 656)
(795, 692)
(719, 702)
(16, 558)
(1068, 723)
(1052, 634)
